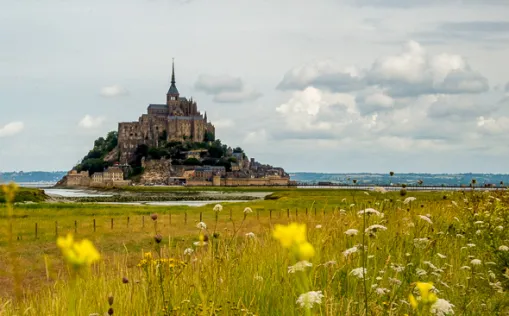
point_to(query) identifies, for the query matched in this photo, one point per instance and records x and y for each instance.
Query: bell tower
(173, 93)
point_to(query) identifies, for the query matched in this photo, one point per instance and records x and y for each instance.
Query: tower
(173, 93)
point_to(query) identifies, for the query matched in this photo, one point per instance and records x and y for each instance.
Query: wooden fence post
(56, 228)
(270, 214)
(94, 225)
(296, 213)
(230, 214)
(143, 221)
(288, 213)
(35, 230)
(257, 215)
(185, 218)
(127, 221)
(315, 211)
(170, 219)
(306, 211)
(112, 223)
(75, 227)
(201, 216)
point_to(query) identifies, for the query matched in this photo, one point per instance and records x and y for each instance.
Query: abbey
(177, 120)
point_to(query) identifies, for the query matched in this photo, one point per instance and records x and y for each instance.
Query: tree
(192, 162)
(209, 137)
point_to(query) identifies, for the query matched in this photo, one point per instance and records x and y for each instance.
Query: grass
(25, 195)
(238, 275)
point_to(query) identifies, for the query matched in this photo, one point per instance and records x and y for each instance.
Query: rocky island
(172, 144)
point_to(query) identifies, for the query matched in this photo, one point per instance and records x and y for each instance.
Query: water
(176, 203)
(74, 193)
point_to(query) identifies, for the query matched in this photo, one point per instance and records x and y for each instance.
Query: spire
(205, 118)
(173, 89)
(173, 71)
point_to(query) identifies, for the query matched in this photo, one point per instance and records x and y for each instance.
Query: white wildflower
(258, 278)
(367, 193)
(395, 281)
(358, 272)
(471, 245)
(421, 242)
(382, 291)
(431, 265)
(374, 228)
(442, 308)
(247, 210)
(460, 236)
(441, 255)
(420, 272)
(342, 212)
(299, 266)
(307, 300)
(454, 203)
(188, 251)
(218, 208)
(379, 278)
(503, 248)
(409, 199)
(201, 225)
(397, 267)
(465, 268)
(370, 211)
(478, 232)
(318, 226)
(499, 228)
(478, 223)
(349, 251)
(379, 190)
(251, 235)
(329, 263)
(352, 205)
(425, 218)
(476, 262)
(351, 232)
(199, 243)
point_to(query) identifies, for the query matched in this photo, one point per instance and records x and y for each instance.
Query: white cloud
(89, 121)
(226, 89)
(256, 137)
(113, 91)
(11, 129)
(493, 126)
(223, 123)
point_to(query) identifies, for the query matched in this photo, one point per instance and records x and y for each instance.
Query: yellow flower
(306, 251)
(427, 297)
(78, 254)
(10, 191)
(147, 255)
(290, 235)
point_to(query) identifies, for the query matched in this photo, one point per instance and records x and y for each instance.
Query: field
(357, 263)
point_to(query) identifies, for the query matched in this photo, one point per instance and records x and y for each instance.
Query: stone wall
(156, 171)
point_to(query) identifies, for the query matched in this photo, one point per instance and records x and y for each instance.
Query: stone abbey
(177, 120)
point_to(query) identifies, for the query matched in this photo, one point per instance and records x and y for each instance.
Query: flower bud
(125, 280)
(153, 216)
(158, 238)
(110, 300)
(110, 311)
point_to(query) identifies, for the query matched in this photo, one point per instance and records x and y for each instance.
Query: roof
(158, 106)
(173, 89)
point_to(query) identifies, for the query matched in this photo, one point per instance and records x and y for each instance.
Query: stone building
(176, 120)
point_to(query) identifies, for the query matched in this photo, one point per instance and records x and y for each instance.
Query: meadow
(298, 252)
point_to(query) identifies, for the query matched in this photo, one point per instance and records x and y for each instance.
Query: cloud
(373, 102)
(493, 126)
(507, 87)
(89, 121)
(224, 123)
(113, 91)
(412, 72)
(226, 89)
(11, 129)
(405, 4)
(493, 32)
(322, 74)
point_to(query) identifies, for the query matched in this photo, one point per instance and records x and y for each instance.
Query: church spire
(173, 93)
(173, 71)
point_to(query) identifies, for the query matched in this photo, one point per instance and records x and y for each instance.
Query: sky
(316, 86)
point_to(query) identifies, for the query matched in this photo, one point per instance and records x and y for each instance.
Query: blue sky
(325, 86)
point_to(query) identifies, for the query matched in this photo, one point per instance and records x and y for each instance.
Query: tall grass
(434, 238)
